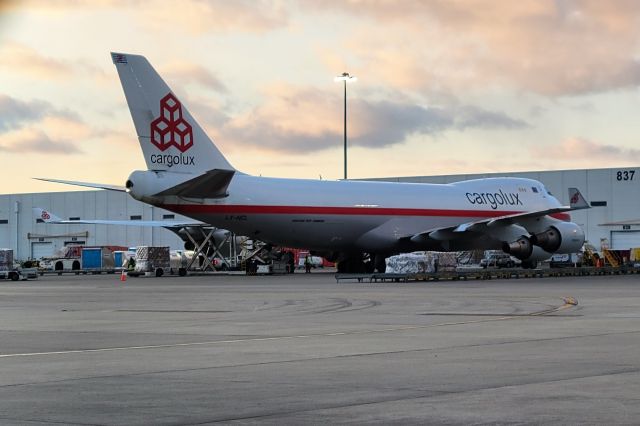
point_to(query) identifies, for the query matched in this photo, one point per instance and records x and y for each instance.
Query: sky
(444, 86)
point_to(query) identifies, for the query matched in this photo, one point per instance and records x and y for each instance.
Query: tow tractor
(9, 270)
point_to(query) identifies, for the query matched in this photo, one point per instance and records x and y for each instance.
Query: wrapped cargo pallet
(446, 260)
(408, 263)
(422, 262)
(152, 259)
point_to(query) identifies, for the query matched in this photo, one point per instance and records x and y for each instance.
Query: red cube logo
(170, 129)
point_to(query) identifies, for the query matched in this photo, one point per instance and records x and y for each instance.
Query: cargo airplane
(341, 220)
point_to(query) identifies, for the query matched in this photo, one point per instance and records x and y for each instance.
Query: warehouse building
(614, 220)
(30, 238)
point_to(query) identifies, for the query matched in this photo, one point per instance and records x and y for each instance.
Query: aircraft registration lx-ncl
(340, 220)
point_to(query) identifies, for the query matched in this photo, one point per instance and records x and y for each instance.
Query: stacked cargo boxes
(6, 259)
(152, 259)
(7, 269)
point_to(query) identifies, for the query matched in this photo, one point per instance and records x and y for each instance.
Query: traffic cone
(123, 276)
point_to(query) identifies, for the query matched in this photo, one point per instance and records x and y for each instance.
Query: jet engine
(563, 237)
(520, 248)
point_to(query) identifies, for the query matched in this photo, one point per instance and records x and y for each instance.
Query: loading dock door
(625, 240)
(40, 250)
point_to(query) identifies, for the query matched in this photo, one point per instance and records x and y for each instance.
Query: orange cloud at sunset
(443, 86)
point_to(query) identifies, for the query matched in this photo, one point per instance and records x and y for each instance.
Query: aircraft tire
(380, 262)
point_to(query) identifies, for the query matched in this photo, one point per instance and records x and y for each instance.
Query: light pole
(345, 78)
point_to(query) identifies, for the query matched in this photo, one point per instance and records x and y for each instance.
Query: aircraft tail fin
(576, 200)
(45, 216)
(170, 137)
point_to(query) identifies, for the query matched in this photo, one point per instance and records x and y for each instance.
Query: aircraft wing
(211, 184)
(87, 184)
(577, 202)
(48, 217)
(457, 231)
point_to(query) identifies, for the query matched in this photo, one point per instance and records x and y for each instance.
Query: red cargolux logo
(170, 129)
(574, 198)
(45, 215)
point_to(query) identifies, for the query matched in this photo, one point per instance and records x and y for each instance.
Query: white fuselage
(360, 215)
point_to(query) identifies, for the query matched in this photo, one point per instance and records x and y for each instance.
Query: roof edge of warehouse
(389, 178)
(499, 173)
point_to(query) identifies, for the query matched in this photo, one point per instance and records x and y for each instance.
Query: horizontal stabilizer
(211, 184)
(48, 217)
(86, 184)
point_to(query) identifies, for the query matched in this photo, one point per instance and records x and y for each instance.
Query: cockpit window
(534, 189)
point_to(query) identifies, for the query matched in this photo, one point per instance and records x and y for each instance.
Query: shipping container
(97, 259)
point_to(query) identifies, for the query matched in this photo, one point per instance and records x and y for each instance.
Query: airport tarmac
(301, 349)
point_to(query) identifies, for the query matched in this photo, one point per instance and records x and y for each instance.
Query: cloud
(15, 113)
(216, 16)
(553, 48)
(38, 127)
(22, 59)
(36, 142)
(306, 119)
(583, 152)
(190, 16)
(187, 73)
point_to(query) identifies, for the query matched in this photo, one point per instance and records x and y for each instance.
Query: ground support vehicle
(499, 260)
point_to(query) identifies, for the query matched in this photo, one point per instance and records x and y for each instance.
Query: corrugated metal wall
(23, 228)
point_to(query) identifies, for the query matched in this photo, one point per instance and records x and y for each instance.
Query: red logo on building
(45, 215)
(170, 129)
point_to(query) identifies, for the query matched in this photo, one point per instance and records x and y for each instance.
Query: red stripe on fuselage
(562, 216)
(349, 211)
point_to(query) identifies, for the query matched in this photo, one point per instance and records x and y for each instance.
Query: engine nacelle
(563, 237)
(143, 185)
(537, 254)
(521, 248)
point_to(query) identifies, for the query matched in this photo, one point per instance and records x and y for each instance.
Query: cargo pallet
(488, 274)
(80, 271)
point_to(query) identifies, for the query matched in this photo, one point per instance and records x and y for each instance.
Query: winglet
(47, 217)
(576, 200)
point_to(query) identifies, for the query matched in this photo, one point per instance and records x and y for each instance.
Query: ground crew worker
(307, 264)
